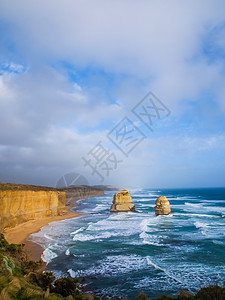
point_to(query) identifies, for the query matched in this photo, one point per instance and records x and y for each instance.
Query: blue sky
(70, 71)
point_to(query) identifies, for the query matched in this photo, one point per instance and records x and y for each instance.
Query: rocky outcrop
(122, 202)
(162, 206)
(20, 206)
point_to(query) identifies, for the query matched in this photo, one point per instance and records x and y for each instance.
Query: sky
(128, 93)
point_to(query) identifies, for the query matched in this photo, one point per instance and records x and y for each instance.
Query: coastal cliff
(21, 203)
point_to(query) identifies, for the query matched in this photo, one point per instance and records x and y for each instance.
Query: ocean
(121, 254)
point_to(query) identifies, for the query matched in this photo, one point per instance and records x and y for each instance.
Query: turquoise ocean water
(125, 253)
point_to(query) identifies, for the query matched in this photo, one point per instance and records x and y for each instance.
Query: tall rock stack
(162, 206)
(122, 202)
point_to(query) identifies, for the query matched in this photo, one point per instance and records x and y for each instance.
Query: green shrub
(53, 297)
(185, 295)
(14, 248)
(30, 266)
(46, 279)
(66, 286)
(7, 264)
(18, 272)
(164, 297)
(3, 243)
(142, 296)
(212, 292)
(4, 280)
(23, 294)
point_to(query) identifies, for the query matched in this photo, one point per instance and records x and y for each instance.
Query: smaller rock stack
(122, 202)
(162, 206)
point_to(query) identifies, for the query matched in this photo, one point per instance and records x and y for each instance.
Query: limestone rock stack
(162, 206)
(122, 202)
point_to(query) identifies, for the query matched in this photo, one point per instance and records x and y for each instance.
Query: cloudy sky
(72, 72)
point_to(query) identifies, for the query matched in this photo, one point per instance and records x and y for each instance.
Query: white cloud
(153, 41)
(47, 121)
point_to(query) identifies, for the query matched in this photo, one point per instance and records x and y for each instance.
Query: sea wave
(149, 239)
(113, 266)
(48, 255)
(195, 205)
(78, 230)
(201, 225)
(133, 250)
(163, 270)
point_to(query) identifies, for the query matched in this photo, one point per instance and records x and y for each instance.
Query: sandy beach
(20, 233)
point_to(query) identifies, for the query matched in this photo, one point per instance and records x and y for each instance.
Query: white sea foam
(195, 205)
(152, 195)
(145, 205)
(144, 224)
(150, 239)
(200, 225)
(108, 228)
(115, 225)
(78, 230)
(48, 255)
(195, 215)
(150, 263)
(212, 201)
(163, 270)
(202, 207)
(140, 200)
(72, 273)
(113, 265)
(48, 237)
(218, 242)
(215, 209)
(98, 236)
(100, 207)
(184, 198)
(67, 251)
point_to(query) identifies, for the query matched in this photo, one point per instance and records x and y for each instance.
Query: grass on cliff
(20, 279)
(24, 187)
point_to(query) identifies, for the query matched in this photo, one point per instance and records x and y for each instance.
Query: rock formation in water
(162, 206)
(122, 202)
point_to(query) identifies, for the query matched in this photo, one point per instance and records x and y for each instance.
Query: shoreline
(20, 233)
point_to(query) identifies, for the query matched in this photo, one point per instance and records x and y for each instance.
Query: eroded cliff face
(18, 206)
(20, 203)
